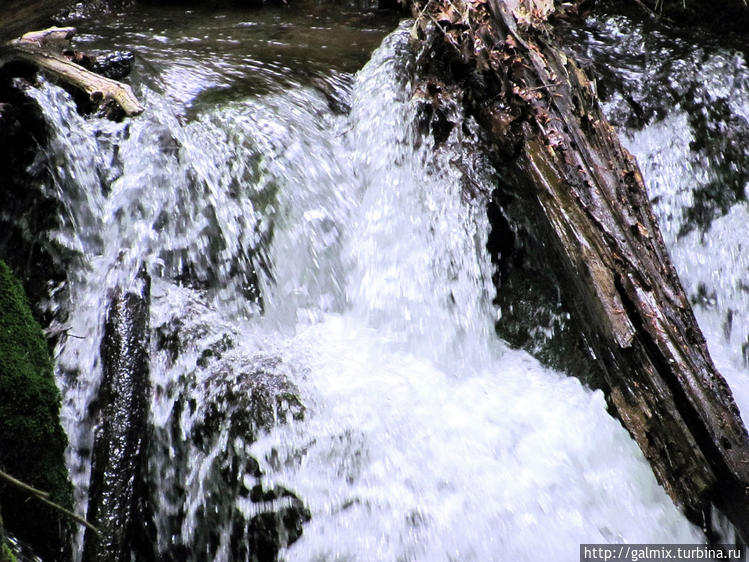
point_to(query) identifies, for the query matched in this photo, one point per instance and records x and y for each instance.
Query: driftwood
(45, 48)
(563, 163)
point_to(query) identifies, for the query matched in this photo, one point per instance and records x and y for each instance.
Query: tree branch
(44, 498)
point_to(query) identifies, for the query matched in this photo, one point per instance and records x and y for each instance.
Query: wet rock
(115, 65)
(235, 407)
(118, 501)
(32, 442)
(248, 403)
(214, 497)
(267, 531)
(27, 214)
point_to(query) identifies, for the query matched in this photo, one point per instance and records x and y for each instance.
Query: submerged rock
(214, 499)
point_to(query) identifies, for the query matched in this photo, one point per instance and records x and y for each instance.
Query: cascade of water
(424, 440)
(366, 376)
(153, 194)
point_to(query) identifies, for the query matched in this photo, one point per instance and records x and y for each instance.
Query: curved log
(565, 165)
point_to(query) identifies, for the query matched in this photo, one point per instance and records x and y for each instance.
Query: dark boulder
(215, 499)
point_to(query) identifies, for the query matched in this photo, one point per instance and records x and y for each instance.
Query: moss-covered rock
(32, 442)
(6, 555)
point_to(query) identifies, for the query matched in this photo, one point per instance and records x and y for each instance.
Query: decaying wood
(44, 49)
(563, 161)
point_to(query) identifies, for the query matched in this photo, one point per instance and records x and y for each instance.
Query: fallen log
(561, 162)
(45, 49)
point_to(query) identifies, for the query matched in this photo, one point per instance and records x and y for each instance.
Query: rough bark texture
(117, 496)
(564, 165)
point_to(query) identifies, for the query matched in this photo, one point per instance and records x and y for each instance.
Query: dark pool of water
(203, 56)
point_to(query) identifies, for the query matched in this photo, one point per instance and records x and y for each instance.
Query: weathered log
(563, 163)
(45, 50)
(118, 499)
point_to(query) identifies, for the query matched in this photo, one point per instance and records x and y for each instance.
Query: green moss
(32, 443)
(6, 554)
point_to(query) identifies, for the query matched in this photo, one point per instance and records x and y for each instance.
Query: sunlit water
(424, 437)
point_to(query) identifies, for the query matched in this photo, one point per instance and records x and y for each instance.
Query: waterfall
(321, 331)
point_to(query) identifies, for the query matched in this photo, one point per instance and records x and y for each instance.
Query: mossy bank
(32, 442)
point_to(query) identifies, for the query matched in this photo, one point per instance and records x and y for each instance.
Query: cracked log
(45, 49)
(563, 163)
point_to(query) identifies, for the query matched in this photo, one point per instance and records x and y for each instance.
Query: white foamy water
(424, 437)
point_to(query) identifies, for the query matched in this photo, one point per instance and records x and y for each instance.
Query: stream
(321, 316)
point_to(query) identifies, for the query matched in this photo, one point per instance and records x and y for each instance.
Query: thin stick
(23, 486)
(44, 498)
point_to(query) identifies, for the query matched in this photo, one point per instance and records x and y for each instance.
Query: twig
(44, 498)
(544, 87)
(415, 26)
(22, 485)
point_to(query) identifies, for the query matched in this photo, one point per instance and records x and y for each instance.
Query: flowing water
(299, 230)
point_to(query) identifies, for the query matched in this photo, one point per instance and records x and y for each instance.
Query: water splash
(425, 440)
(422, 437)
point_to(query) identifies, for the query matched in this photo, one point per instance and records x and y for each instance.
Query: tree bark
(564, 164)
